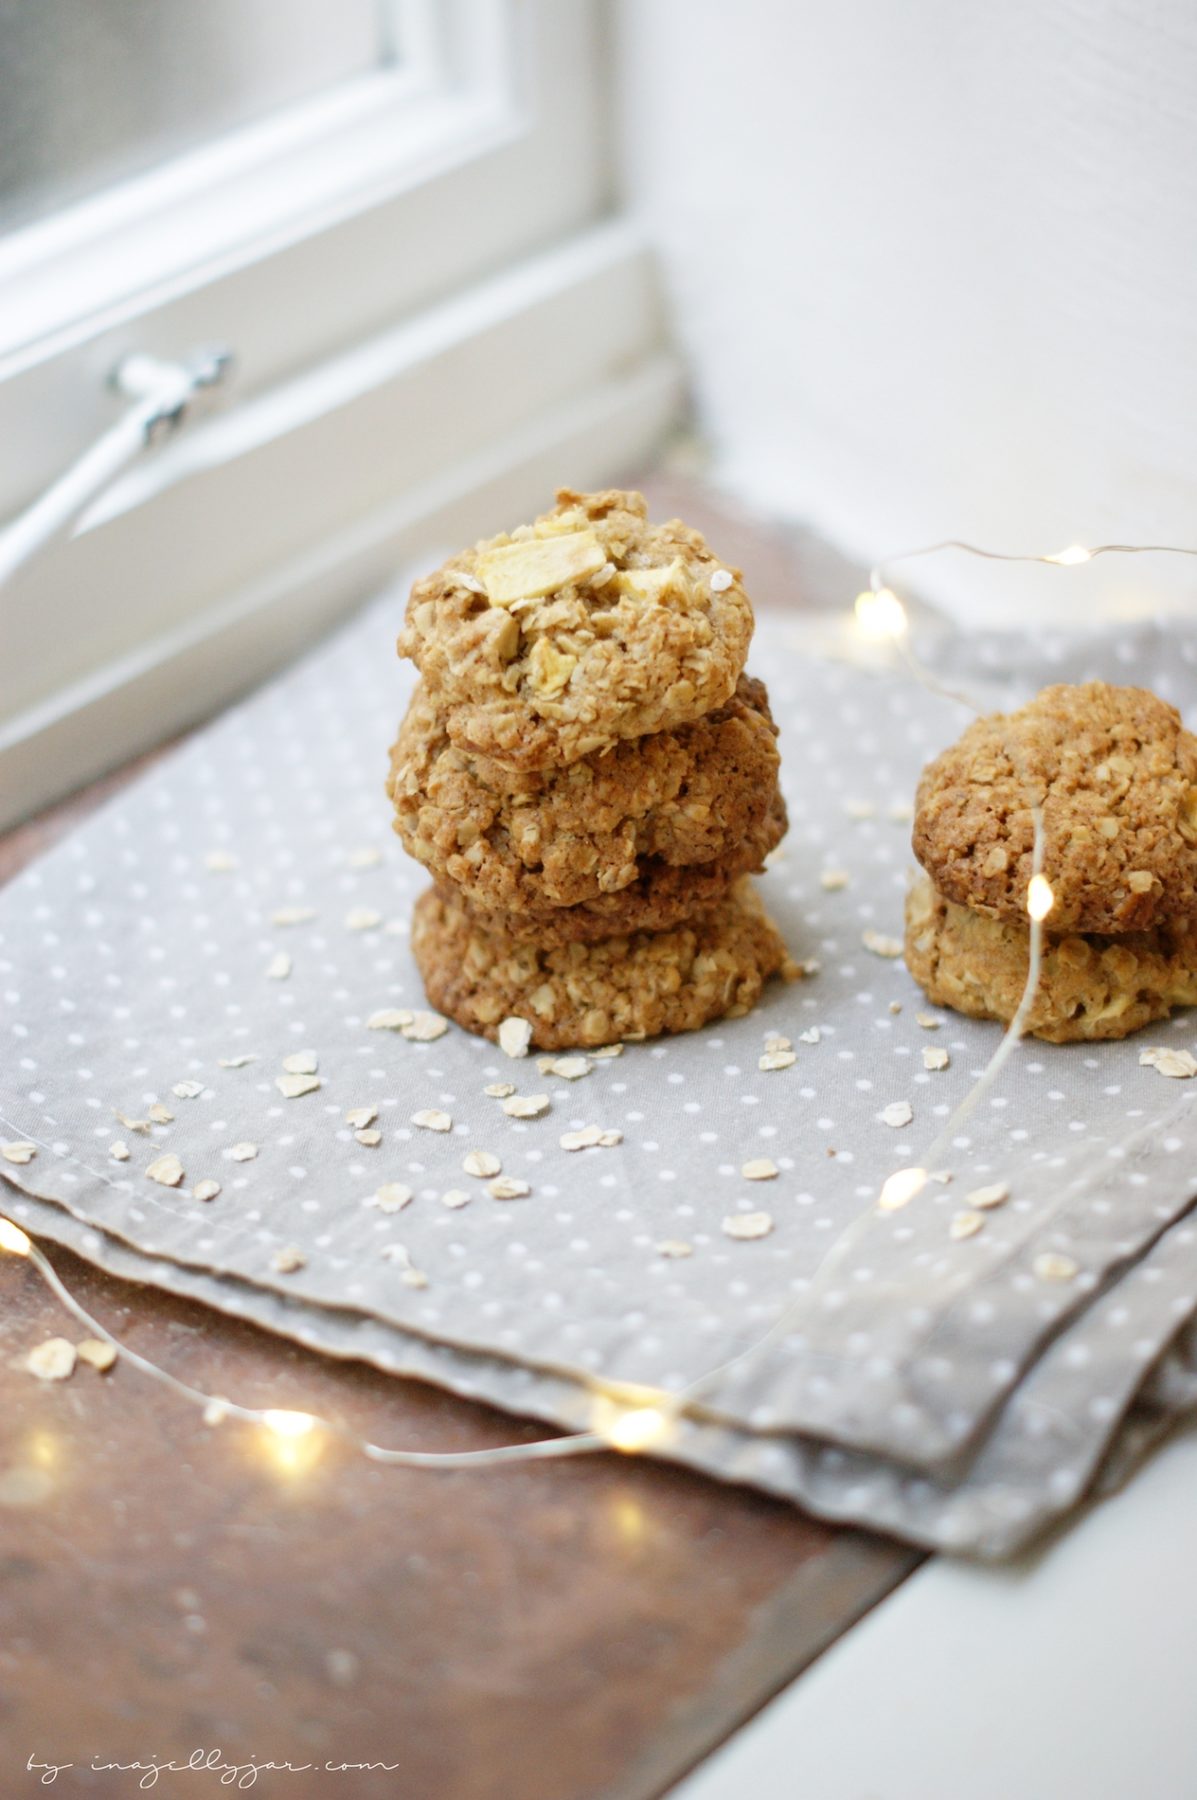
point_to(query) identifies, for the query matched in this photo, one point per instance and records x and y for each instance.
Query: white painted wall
(934, 263)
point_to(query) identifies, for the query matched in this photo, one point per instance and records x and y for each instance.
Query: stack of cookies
(1115, 774)
(590, 778)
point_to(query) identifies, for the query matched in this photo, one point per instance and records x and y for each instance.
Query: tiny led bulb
(880, 614)
(1068, 559)
(288, 1424)
(13, 1238)
(901, 1187)
(637, 1429)
(1040, 898)
(628, 1428)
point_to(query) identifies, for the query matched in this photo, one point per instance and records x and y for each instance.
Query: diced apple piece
(524, 571)
(550, 668)
(653, 585)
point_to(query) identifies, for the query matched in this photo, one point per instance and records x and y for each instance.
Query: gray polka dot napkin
(241, 915)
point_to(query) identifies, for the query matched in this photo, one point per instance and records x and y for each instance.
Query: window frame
(217, 242)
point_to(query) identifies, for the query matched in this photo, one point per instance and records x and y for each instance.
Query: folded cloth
(944, 1388)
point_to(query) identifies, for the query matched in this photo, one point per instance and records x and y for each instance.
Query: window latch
(162, 397)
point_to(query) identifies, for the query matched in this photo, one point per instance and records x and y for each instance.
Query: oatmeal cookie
(1114, 771)
(559, 837)
(587, 627)
(579, 995)
(661, 896)
(1091, 985)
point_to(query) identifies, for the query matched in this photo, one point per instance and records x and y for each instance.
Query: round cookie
(587, 627)
(1090, 986)
(1115, 773)
(661, 896)
(560, 837)
(581, 995)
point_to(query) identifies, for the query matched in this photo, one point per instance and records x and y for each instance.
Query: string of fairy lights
(625, 1416)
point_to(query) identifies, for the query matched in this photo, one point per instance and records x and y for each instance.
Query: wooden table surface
(583, 1630)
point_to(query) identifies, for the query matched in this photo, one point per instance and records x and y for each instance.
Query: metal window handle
(162, 396)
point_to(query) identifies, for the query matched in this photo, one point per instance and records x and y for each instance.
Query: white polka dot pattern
(231, 906)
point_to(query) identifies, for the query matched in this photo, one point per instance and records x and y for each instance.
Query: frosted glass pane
(92, 91)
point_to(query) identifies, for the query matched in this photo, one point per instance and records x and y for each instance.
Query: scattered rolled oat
(515, 1035)
(674, 1248)
(161, 1115)
(775, 1041)
(301, 1062)
(834, 879)
(390, 1018)
(897, 1113)
(776, 1059)
(759, 1169)
(363, 918)
(604, 1052)
(414, 1278)
(935, 1059)
(748, 1225)
(18, 1151)
(292, 915)
(206, 1190)
(366, 858)
(118, 1150)
(1178, 1065)
(97, 1353)
(585, 1139)
(506, 1187)
(455, 1197)
(392, 1197)
(279, 967)
(361, 1116)
(220, 862)
(608, 1139)
(396, 1253)
(287, 1260)
(526, 1106)
(928, 1021)
(568, 1068)
(243, 1152)
(965, 1225)
(1052, 1265)
(431, 1118)
(879, 944)
(141, 1126)
(370, 1136)
(293, 1087)
(811, 1035)
(188, 1090)
(425, 1028)
(481, 1163)
(52, 1361)
(166, 1170)
(499, 1090)
(895, 1006)
(983, 1198)
(901, 812)
(236, 1062)
(859, 809)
